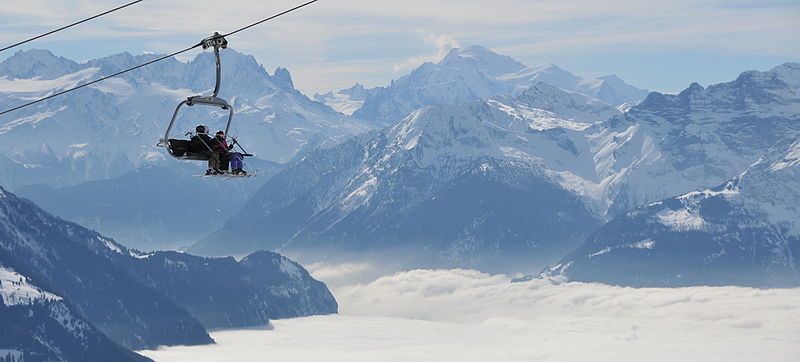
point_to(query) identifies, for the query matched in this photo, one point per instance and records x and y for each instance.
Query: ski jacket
(220, 145)
(201, 142)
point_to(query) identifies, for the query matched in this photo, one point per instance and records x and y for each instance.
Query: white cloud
(469, 295)
(465, 315)
(443, 43)
(341, 274)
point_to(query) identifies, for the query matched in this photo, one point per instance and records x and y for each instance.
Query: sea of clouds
(458, 315)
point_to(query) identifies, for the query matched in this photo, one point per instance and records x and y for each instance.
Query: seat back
(183, 149)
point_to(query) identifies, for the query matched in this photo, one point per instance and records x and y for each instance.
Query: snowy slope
(16, 289)
(110, 128)
(473, 73)
(744, 232)
(673, 144)
(39, 325)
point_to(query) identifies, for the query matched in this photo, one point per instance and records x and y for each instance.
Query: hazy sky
(659, 45)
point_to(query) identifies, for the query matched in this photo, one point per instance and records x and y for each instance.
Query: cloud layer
(471, 316)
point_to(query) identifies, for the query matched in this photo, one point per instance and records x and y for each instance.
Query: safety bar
(204, 101)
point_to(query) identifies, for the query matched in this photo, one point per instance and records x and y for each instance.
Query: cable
(100, 80)
(71, 25)
(149, 62)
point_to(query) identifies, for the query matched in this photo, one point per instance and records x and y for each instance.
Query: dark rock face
(57, 254)
(224, 293)
(145, 300)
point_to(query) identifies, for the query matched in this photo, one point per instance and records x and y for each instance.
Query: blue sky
(332, 44)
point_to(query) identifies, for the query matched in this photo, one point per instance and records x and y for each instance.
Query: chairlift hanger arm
(218, 42)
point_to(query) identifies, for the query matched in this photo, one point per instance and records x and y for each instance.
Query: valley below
(467, 315)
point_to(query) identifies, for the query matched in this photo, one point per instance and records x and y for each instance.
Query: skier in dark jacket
(202, 143)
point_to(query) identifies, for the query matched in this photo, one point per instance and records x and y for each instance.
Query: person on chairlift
(202, 143)
(227, 156)
(221, 147)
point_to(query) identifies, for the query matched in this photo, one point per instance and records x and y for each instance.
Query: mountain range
(108, 129)
(452, 185)
(483, 183)
(745, 231)
(59, 145)
(466, 75)
(484, 162)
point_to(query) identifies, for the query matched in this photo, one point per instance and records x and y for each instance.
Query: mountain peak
(31, 54)
(32, 63)
(283, 78)
(358, 87)
(357, 92)
(611, 78)
(694, 88)
(114, 62)
(548, 68)
(483, 60)
(788, 72)
(124, 56)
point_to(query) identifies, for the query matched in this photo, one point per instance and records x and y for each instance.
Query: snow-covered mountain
(109, 128)
(143, 300)
(225, 293)
(673, 144)
(744, 232)
(345, 101)
(390, 189)
(58, 256)
(470, 74)
(610, 89)
(41, 326)
(453, 185)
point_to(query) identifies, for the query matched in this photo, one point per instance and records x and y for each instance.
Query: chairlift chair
(181, 149)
